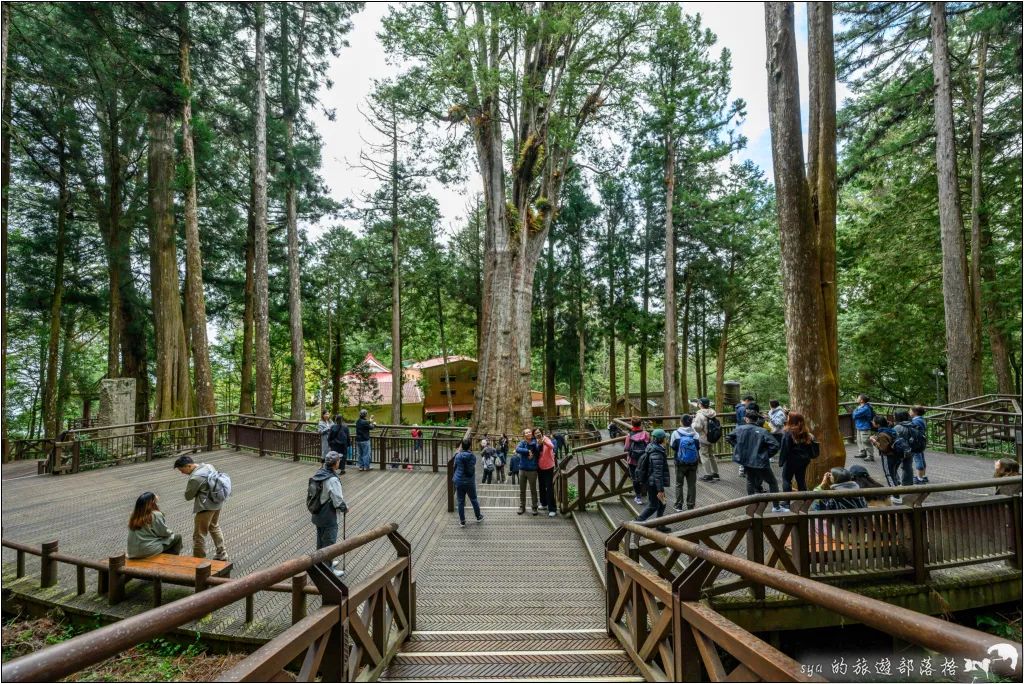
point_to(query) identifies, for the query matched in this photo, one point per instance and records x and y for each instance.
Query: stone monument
(117, 407)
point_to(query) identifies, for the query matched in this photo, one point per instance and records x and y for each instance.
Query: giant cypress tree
(531, 76)
(807, 230)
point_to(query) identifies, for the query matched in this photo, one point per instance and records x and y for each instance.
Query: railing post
(433, 452)
(80, 579)
(202, 575)
(209, 437)
(149, 443)
(918, 538)
(6, 450)
(382, 451)
(250, 609)
(755, 543)
(263, 451)
(76, 456)
(21, 564)
(1015, 518)
(581, 488)
(948, 424)
(295, 445)
(801, 545)
(48, 566)
(56, 457)
(298, 597)
(406, 588)
(158, 593)
(451, 485)
(115, 580)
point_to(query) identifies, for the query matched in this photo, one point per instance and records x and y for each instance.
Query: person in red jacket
(635, 446)
(546, 471)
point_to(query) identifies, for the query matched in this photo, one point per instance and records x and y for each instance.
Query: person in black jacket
(753, 447)
(338, 440)
(658, 477)
(796, 453)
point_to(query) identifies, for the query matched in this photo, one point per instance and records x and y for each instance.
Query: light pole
(937, 372)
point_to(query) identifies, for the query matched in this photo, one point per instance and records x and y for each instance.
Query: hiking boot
(480, 518)
(520, 511)
(662, 528)
(543, 508)
(861, 455)
(780, 509)
(716, 477)
(918, 480)
(707, 478)
(223, 556)
(869, 458)
(535, 511)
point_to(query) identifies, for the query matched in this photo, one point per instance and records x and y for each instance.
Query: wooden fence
(377, 616)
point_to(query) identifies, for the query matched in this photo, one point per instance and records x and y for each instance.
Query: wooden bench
(163, 567)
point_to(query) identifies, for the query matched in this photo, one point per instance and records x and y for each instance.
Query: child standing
(513, 468)
(487, 458)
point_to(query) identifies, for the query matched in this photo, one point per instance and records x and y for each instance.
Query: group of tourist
(335, 436)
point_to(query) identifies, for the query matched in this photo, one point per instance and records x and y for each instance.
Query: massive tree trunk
(396, 282)
(723, 348)
(963, 343)
(444, 353)
(646, 307)
(581, 332)
(612, 387)
(196, 302)
(173, 386)
(671, 329)
(684, 385)
(812, 381)
(625, 380)
(289, 105)
(264, 396)
(50, 418)
(245, 406)
(5, 181)
(112, 230)
(982, 268)
(550, 367)
(64, 376)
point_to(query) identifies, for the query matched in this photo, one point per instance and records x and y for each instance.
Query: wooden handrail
(65, 658)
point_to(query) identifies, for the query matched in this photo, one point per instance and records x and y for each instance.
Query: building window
(473, 379)
(444, 393)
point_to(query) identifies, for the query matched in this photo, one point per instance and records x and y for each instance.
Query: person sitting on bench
(839, 479)
(147, 532)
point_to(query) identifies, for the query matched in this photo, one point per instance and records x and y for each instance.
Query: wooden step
(514, 655)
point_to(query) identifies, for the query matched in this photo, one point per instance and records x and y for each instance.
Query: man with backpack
(895, 451)
(686, 449)
(917, 418)
(338, 439)
(464, 479)
(209, 490)
(652, 468)
(741, 419)
(324, 500)
(753, 448)
(863, 416)
(709, 431)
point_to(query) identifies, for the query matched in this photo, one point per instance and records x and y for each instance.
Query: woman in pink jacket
(546, 472)
(636, 443)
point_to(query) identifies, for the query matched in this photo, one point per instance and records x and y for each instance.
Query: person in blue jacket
(529, 456)
(465, 481)
(741, 418)
(920, 476)
(862, 417)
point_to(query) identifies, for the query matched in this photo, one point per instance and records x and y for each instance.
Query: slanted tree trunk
(812, 382)
(205, 400)
(264, 395)
(671, 328)
(173, 387)
(963, 343)
(50, 417)
(550, 365)
(245, 406)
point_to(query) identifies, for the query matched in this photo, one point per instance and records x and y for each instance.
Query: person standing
(561, 444)
(339, 439)
(613, 430)
(546, 471)
(741, 413)
(777, 419)
(148, 534)
(529, 453)
(863, 416)
(363, 427)
(465, 481)
(796, 453)
(324, 429)
(705, 423)
(635, 447)
(487, 459)
(686, 454)
(654, 469)
(753, 447)
(920, 474)
(417, 443)
(501, 457)
(206, 507)
(325, 499)
(513, 467)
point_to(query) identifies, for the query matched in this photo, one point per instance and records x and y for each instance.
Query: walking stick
(344, 536)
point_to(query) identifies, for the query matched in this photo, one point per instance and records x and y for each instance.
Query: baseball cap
(658, 434)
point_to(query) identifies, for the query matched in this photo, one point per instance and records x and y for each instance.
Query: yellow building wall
(411, 413)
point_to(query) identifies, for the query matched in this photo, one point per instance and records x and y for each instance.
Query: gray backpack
(219, 485)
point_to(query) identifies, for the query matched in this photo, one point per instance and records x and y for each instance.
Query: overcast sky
(739, 27)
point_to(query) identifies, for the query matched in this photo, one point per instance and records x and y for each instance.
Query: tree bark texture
(646, 308)
(173, 388)
(264, 395)
(684, 388)
(671, 328)
(396, 283)
(51, 421)
(5, 182)
(196, 302)
(963, 344)
(812, 383)
(612, 386)
(550, 365)
(444, 354)
(245, 405)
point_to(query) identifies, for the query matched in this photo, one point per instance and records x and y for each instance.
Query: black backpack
(313, 492)
(917, 439)
(643, 467)
(713, 430)
(637, 449)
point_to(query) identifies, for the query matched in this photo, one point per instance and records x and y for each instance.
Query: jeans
(326, 535)
(488, 477)
(688, 473)
(655, 506)
(527, 476)
(797, 471)
(755, 476)
(207, 522)
(462, 490)
(638, 487)
(500, 472)
(173, 547)
(919, 463)
(364, 454)
(546, 480)
(892, 464)
(864, 443)
(708, 462)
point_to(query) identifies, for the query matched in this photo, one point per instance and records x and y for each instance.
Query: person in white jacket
(708, 462)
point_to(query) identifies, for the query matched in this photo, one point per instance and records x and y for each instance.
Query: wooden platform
(182, 566)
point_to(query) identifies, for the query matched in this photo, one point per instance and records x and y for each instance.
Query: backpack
(313, 492)
(686, 450)
(643, 468)
(917, 440)
(900, 446)
(714, 430)
(637, 448)
(220, 488)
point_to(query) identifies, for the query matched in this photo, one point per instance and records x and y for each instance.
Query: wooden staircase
(585, 655)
